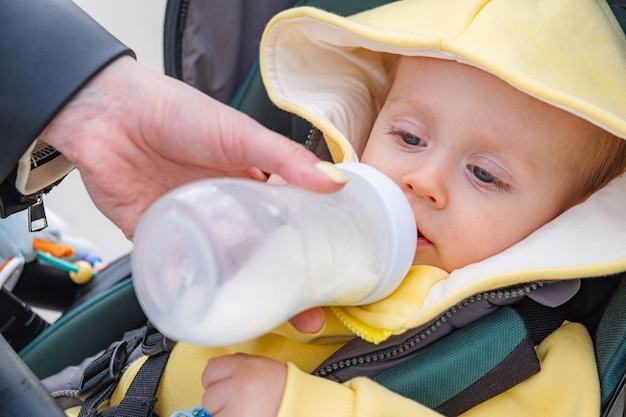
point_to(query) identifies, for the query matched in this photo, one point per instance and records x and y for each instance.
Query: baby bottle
(220, 261)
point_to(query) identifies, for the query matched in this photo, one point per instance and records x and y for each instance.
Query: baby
(482, 164)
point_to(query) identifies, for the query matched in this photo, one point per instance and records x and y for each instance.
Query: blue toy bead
(194, 412)
(92, 258)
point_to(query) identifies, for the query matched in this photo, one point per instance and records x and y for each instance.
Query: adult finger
(309, 321)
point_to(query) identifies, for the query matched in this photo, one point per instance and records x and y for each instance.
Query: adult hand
(134, 134)
(242, 385)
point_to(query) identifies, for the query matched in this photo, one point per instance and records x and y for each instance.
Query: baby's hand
(242, 385)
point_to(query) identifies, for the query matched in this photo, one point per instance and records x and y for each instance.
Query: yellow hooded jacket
(328, 70)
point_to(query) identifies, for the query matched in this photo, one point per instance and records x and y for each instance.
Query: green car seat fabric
(610, 348)
(89, 327)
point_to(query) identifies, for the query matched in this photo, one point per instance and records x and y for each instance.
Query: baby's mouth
(421, 239)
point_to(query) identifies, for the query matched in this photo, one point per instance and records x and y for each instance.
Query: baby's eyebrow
(505, 144)
(401, 99)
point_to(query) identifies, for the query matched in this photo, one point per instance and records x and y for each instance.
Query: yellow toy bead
(84, 273)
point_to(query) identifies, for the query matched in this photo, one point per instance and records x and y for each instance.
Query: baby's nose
(428, 183)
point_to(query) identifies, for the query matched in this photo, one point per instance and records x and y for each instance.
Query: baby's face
(482, 164)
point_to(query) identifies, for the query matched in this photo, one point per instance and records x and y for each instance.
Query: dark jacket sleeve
(48, 50)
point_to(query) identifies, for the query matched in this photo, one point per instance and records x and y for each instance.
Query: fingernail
(331, 172)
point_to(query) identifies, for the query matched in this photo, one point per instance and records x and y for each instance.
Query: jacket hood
(329, 70)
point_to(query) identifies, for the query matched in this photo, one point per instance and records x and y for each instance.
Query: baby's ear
(276, 179)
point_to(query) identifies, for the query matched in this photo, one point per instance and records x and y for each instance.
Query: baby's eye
(406, 137)
(487, 178)
(482, 174)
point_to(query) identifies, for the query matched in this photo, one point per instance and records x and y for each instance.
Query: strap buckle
(104, 371)
(154, 342)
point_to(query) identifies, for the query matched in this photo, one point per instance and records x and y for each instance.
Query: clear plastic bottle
(221, 261)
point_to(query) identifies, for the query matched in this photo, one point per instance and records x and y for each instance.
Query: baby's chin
(421, 258)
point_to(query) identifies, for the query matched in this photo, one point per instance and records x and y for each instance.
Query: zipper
(173, 29)
(33, 203)
(421, 338)
(313, 138)
(37, 219)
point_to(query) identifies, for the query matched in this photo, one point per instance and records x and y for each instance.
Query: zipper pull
(37, 215)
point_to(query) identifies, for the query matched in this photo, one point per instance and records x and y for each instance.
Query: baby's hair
(390, 64)
(603, 158)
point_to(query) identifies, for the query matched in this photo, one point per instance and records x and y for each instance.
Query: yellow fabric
(359, 397)
(377, 321)
(72, 412)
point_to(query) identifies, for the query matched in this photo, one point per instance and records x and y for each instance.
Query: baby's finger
(309, 321)
(216, 397)
(220, 368)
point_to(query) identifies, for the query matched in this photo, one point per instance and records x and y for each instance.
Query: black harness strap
(540, 320)
(141, 396)
(102, 375)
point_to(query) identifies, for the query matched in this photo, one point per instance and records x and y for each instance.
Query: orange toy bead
(58, 250)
